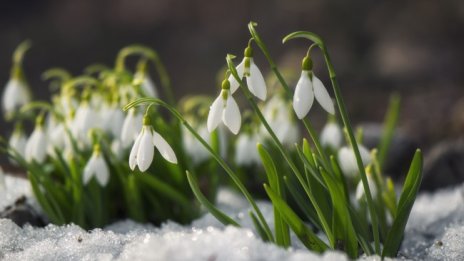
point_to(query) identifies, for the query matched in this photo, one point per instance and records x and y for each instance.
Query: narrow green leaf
(391, 119)
(222, 217)
(344, 231)
(307, 237)
(282, 235)
(259, 228)
(407, 198)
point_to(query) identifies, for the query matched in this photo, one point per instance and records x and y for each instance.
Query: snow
(435, 232)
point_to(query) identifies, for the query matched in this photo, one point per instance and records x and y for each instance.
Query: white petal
(240, 70)
(331, 135)
(15, 95)
(365, 155)
(134, 151)
(215, 113)
(148, 87)
(372, 188)
(89, 170)
(164, 148)
(231, 115)
(322, 96)
(303, 97)
(102, 173)
(256, 82)
(128, 131)
(40, 150)
(18, 142)
(146, 149)
(347, 162)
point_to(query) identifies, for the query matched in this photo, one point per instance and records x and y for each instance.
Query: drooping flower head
(16, 93)
(308, 88)
(143, 150)
(96, 167)
(254, 78)
(18, 140)
(347, 160)
(224, 109)
(331, 135)
(36, 146)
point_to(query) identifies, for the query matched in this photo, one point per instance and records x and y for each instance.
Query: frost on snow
(435, 232)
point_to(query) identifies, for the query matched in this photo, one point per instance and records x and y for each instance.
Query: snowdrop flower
(130, 127)
(85, 119)
(117, 149)
(246, 153)
(278, 114)
(143, 151)
(331, 135)
(18, 141)
(254, 78)
(15, 95)
(347, 160)
(372, 188)
(193, 147)
(224, 109)
(147, 84)
(36, 146)
(96, 167)
(112, 119)
(308, 87)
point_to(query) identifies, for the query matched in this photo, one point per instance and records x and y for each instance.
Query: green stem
(218, 158)
(344, 115)
(275, 70)
(280, 147)
(153, 56)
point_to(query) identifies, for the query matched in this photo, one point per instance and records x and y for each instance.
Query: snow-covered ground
(435, 232)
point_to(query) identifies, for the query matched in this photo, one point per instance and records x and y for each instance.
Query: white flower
(347, 160)
(278, 114)
(85, 119)
(132, 124)
(18, 142)
(305, 91)
(254, 78)
(246, 152)
(96, 166)
(36, 146)
(147, 84)
(224, 109)
(331, 135)
(15, 95)
(372, 188)
(143, 151)
(193, 147)
(112, 119)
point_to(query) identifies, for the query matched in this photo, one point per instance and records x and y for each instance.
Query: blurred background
(412, 47)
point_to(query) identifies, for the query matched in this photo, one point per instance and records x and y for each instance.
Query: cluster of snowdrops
(90, 143)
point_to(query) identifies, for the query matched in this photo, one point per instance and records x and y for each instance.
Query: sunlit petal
(231, 115)
(303, 97)
(134, 151)
(215, 113)
(322, 96)
(256, 82)
(164, 148)
(146, 149)
(233, 82)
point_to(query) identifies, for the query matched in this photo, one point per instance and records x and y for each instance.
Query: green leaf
(258, 227)
(343, 229)
(391, 118)
(307, 237)
(281, 228)
(222, 217)
(407, 198)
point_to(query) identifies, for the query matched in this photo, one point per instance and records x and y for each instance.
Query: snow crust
(435, 232)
